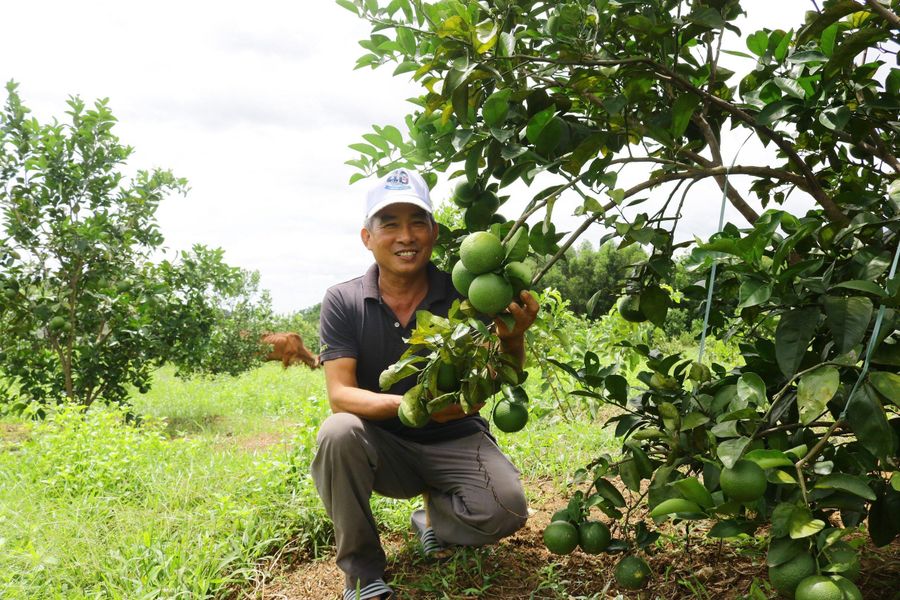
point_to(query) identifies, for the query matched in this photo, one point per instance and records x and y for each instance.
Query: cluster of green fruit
(565, 533)
(469, 380)
(490, 273)
(479, 205)
(793, 571)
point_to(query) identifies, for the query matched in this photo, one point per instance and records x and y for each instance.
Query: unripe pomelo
(560, 537)
(447, 378)
(629, 307)
(818, 587)
(509, 416)
(481, 252)
(490, 293)
(488, 200)
(744, 482)
(477, 217)
(518, 274)
(851, 592)
(786, 576)
(462, 278)
(632, 573)
(465, 193)
(593, 537)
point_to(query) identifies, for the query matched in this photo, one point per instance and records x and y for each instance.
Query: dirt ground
(520, 567)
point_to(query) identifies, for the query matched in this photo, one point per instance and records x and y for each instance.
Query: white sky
(255, 104)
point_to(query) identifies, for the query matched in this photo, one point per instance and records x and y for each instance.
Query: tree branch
(885, 13)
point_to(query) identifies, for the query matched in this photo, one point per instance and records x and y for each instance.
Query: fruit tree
(604, 108)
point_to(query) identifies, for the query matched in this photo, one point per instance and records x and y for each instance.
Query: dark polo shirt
(356, 323)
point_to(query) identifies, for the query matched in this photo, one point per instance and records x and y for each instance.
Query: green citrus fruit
(560, 537)
(744, 482)
(510, 417)
(629, 307)
(593, 537)
(519, 274)
(447, 378)
(481, 252)
(851, 592)
(477, 217)
(465, 193)
(844, 555)
(488, 200)
(818, 587)
(632, 573)
(490, 293)
(462, 278)
(786, 576)
(57, 323)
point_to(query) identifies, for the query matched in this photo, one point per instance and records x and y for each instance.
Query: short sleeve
(337, 328)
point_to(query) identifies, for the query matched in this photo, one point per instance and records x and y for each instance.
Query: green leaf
(654, 303)
(630, 475)
(366, 149)
(887, 384)
(862, 286)
(730, 451)
(675, 505)
(460, 101)
(848, 319)
(407, 40)
(691, 489)
(496, 107)
(754, 292)
(790, 87)
(349, 6)
(538, 122)
(758, 42)
(731, 528)
(814, 391)
(782, 549)
(776, 111)
(693, 420)
(617, 387)
(849, 483)
(393, 135)
(792, 337)
(868, 421)
(802, 524)
(895, 481)
(682, 110)
(769, 459)
(835, 119)
(751, 390)
(609, 491)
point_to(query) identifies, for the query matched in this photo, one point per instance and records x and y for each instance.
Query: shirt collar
(438, 287)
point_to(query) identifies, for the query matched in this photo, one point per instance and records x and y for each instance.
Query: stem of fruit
(812, 454)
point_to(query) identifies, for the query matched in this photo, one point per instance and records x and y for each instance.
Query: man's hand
(453, 412)
(523, 317)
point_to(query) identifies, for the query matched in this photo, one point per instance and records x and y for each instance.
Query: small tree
(84, 312)
(587, 92)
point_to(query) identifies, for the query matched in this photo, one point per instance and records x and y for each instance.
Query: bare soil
(520, 567)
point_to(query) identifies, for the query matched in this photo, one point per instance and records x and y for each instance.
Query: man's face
(401, 237)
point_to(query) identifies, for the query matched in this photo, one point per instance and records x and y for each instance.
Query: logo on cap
(397, 180)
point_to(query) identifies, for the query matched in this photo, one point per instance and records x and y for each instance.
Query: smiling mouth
(406, 253)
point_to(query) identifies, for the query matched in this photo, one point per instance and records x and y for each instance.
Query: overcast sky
(254, 103)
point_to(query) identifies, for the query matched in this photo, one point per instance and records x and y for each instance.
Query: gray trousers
(475, 495)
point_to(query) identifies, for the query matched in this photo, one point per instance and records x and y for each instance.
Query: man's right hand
(453, 412)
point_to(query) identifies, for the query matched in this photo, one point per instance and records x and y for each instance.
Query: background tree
(84, 311)
(607, 101)
(591, 279)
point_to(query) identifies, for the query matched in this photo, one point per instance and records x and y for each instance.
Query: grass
(188, 502)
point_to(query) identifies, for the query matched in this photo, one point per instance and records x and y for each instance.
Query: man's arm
(345, 395)
(512, 341)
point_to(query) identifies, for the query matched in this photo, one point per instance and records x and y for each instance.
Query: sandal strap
(372, 590)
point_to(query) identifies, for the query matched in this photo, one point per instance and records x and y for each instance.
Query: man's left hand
(523, 316)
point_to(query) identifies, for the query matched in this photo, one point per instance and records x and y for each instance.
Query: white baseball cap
(400, 186)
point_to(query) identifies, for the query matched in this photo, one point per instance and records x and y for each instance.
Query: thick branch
(884, 12)
(832, 210)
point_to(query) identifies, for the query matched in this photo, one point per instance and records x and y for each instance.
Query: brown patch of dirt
(12, 435)
(520, 567)
(255, 443)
